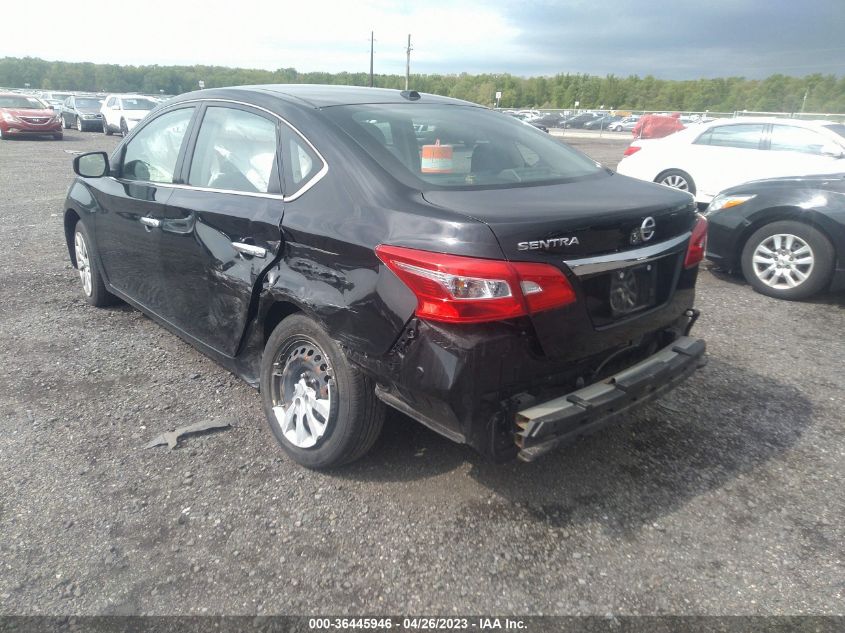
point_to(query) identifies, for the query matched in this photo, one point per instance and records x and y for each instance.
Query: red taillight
(459, 289)
(697, 243)
(631, 149)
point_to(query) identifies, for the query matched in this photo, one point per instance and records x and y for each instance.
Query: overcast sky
(673, 40)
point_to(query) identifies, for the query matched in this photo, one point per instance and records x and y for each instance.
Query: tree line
(777, 93)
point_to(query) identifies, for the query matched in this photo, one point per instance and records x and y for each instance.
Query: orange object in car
(436, 159)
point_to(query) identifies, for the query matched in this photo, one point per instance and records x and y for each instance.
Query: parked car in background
(626, 124)
(82, 112)
(550, 120)
(602, 122)
(786, 235)
(708, 158)
(23, 115)
(578, 120)
(503, 289)
(121, 113)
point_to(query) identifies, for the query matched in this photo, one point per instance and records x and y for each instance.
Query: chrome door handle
(153, 223)
(250, 249)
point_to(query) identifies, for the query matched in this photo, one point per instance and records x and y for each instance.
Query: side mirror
(91, 165)
(832, 150)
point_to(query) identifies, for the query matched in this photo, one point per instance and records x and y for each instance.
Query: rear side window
(235, 151)
(446, 146)
(741, 135)
(152, 154)
(789, 138)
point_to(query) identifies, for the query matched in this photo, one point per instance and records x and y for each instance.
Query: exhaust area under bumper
(544, 426)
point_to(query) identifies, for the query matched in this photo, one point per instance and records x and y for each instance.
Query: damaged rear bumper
(544, 426)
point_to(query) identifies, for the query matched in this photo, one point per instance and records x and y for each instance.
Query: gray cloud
(678, 40)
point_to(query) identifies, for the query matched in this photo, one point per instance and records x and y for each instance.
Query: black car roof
(323, 96)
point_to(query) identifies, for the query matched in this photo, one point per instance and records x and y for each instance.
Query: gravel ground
(724, 498)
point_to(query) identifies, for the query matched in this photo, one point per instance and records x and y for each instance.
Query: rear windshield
(446, 146)
(138, 104)
(21, 103)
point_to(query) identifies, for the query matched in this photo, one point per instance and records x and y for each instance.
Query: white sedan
(708, 158)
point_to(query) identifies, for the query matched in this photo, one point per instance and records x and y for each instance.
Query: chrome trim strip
(171, 185)
(311, 182)
(625, 259)
(249, 249)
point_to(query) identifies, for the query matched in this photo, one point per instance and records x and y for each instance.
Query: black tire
(65, 124)
(355, 414)
(106, 129)
(817, 276)
(124, 129)
(681, 179)
(80, 126)
(96, 295)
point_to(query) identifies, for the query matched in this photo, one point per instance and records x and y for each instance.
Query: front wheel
(79, 125)
(788, 260)
(677, 179)
(106, 128)
(124, 129)
(322, 410)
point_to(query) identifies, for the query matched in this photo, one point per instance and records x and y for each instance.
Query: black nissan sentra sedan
(481, 277)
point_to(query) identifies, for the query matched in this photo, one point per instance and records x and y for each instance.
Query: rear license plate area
(618, 294)
(632, 289)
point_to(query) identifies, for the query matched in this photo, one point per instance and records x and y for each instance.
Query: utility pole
(804, 102)
(408, 62)
(371, 59)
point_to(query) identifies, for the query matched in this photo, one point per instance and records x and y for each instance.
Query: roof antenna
(410, 95)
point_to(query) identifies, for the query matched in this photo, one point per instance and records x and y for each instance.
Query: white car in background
(121, 113)
(707, 158)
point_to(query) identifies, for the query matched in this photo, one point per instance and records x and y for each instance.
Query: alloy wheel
(677, 181)
(302, 388)
(83, 263)
(783, 261)
(79, 123)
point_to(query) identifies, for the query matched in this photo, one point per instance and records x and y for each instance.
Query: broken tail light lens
(458, 289)
(697, 242)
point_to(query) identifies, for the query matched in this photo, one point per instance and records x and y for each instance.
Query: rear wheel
(93, 286)
(677, 179)
(788, 260)
(321, 409)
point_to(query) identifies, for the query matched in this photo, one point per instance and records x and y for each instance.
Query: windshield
(138, 104)
(837, 128)
(88, 103)
(21, 102)
(446, 146)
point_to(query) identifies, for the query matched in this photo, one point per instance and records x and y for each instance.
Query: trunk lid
(620, 241)
(595, 216)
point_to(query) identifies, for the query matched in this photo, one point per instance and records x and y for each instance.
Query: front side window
(741, 136)
(446, 146)
(152, 154)
(789, 138)
(235, 151)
